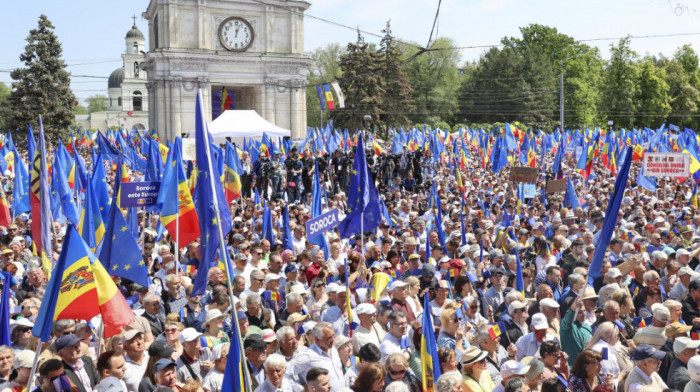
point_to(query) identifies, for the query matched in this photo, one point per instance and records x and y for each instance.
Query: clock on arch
(236, 34)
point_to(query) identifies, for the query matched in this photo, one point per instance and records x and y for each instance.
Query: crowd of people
(632, 330)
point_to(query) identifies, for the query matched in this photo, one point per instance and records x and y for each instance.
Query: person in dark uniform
(689, 306)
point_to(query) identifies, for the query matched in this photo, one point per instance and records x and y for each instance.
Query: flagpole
(229, 278)
(32, 373)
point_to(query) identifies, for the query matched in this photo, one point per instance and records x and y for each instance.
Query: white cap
(397, 284)
(23, 359)
(369, 309)
(686, 271)
(218, 351)
(339, 289)
(189, 334)
(614, 273)
(539, 321)
(548, 302)
(694, 368)
(330, 287)
(680, 344)
(270, 277)
(515, 305)
(513, 368)
(661, 312)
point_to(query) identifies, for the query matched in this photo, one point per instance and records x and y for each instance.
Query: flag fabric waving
(80, 288)
(178, 200)
(429, 361)
(364, 213)
(119, 252)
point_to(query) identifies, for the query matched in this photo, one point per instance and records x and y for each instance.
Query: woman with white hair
(604, 340)
(275, 365)
(450, 382)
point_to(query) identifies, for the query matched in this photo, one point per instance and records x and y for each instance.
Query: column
(294, 108)
(175, 107)
(269, 91)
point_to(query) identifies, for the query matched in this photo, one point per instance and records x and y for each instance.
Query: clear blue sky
(92, 32)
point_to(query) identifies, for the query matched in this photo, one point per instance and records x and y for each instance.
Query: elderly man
(36, 280)
(256, 354)
(165, 374)
(195, 361)
(288, 343)
(684, 348)
(494, 296)
(396, 341)
(647, 360)
(550, 308)
(694, 370)
(680, 290)
(136, 358)
(369, 330)
(7, 357)
(275, 366)
(338, 314)
(321, 354)
(528, 345)
(654, 335)
(174, 298)
(79, 368)
(153, 313)
(399, 293)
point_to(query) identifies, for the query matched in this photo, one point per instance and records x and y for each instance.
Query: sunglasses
(24, 330)
(397, 372)
(171, 330)
(320, 285)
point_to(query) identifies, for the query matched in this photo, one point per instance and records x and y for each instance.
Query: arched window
(136, 69)
(119, 101)
(137, 100)
(136, 48)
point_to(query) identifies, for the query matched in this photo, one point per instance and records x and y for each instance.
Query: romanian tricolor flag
(429, 361)
(92, 229)
(80, 288)
(377, 148)
(178, 215)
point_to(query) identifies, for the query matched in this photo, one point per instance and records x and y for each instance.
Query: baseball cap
(365, 308)
(682, 343)
(661, 312)
(675, 328)
(515, 305)
(130, 334)
(694, 368)
(66, 341)
(513, 368)
(686, 271)
(161, 364)
(270, 277)
(296, 318)
(548, 302)
(254, 342)
(396, 284)
(539, 321)
(160, 348)
(268, 335)
(428, 271)
(290, 268)
(189, 334)
(644, 351)
(614, 273)
(23, 359)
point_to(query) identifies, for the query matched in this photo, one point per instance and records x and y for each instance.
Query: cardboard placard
(554, 186)
(660, 164)
(523, 174)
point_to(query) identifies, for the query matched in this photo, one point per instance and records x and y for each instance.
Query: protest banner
(322, 223)
(523, 174)
(666, 164)
(554, 186)
(138, 194)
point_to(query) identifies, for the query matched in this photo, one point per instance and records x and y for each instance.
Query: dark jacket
(89, 369)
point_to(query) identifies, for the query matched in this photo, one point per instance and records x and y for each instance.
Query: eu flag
(286, 230)
(119, 252)
(610, 218)
(210, 198)
(316, 210)
(364, 213)
(5, 311)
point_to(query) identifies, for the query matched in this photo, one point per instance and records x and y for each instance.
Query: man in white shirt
(321, 354)
(369, 331)
(396, 341)
(529, 345)
(298, 240)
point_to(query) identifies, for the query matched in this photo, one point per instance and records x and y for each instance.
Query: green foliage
(620, 88)
(42, 87)
(4, 106)
(435, 78)
(326, 69)
(398, 100)
(97, 103)
(653, 100)
(363, 85)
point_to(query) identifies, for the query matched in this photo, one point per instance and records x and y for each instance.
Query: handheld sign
(322, 223)
(137, 194)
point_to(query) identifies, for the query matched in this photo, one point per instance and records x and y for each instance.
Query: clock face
(236, 34)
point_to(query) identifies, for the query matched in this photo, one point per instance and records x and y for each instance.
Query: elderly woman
(343, 344)
(451, 334)
(586, 374)
(397, 370)
(213, 326)
(475, 377)
(30, 308)
(449, 382)
(317, 299)
(447, 359)
(472, 316)
(275, 365)
(441, 301)
(604, 340)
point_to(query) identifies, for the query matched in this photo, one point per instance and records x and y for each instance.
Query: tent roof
(243, 123)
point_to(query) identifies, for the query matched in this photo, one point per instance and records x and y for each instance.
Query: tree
(398, 100)
(326, 68)
(683, 83)
(97, 103)
(362, 84)
(653, 101)
(4, 106)
(42, 88)
(435, 78)
(620, 87)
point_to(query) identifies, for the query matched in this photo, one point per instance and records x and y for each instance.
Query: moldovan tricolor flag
(329, 96)
(429, 362)
(80, 288)
(178, 200)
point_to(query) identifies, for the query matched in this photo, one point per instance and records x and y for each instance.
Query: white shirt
(213, 381)
(635, 387)
(609, 366)
(528, 346)
(315, 357)
(390, 345)
(133, 372)
(361, 336)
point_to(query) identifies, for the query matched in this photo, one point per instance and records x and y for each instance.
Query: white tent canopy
(244, 123)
